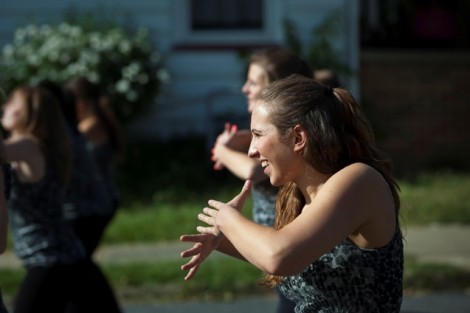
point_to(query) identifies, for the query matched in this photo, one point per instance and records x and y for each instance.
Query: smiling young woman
(336, 245)
(231, 147)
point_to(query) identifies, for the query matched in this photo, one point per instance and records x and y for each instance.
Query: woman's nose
(245, 88)
(252, 151)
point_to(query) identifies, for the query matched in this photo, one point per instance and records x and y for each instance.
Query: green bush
(122, 62)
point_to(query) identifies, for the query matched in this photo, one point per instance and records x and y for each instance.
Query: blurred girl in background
(102, 131)
(38, 149)
(86, 197)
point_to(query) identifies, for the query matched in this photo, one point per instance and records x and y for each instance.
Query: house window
(226, 24)
(207, 15)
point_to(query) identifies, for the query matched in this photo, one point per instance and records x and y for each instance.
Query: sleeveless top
(86, 194)
(41, 236)
(350, 279)
(264, 202)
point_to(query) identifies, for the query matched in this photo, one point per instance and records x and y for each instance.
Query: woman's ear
(300, 138)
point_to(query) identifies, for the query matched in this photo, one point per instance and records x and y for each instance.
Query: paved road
(432, 303)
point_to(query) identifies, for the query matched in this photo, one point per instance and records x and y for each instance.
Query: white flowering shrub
(124, 64)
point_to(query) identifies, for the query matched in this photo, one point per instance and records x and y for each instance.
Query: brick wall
(419, 105)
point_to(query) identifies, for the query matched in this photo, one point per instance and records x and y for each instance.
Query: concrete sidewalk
(444, 244)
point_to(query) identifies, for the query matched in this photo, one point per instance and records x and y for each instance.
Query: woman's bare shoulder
(358, 183)
(25, 140)
(357, 172)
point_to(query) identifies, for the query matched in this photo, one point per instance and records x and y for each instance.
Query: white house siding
(204, 84)
(189, 102)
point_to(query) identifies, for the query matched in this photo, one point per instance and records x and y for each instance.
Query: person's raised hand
(223, 139)
(239, 200)
(203, 246)
(217, 213)
(205, 243)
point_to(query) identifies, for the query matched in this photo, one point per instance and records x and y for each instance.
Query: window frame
(237, 21)
(184, 35)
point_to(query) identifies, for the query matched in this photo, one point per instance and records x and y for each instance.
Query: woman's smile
(265, 165)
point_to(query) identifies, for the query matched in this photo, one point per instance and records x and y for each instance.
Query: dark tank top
(103, 156)
(86, 193)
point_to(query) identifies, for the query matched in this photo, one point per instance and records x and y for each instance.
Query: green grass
(427, 277)
(218, 278)
(441, 197)
(161, 222)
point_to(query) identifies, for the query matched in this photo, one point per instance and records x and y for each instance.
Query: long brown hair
(43, 119)
(280, 63)
(339, 135)
(84, 89)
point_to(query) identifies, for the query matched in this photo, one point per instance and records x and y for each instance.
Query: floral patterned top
(264, 202)
(41, 236)
(350, 279)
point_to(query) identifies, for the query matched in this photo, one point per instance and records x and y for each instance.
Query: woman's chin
(274, 182)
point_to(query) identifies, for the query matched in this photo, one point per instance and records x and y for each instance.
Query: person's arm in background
(231, 151)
